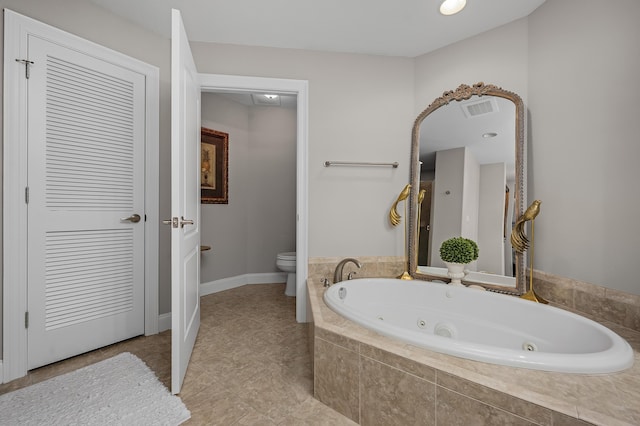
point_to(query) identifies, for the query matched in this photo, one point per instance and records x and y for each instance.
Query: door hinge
(26, 319)
(26, 195)
(27, 64)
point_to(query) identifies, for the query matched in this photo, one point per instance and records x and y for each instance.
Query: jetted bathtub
(481, 325)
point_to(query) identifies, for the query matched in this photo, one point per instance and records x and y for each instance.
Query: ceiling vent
(265, 99)
(478, 108)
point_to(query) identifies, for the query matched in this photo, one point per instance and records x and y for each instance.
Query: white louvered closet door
(86, 173)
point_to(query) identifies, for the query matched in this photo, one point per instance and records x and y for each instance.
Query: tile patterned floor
(250, 364)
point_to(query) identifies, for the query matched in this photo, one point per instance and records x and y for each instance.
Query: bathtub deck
(366, 376)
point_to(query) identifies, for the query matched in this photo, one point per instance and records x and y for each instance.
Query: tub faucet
(337, 275)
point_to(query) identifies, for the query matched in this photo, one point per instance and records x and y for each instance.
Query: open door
(185, 202)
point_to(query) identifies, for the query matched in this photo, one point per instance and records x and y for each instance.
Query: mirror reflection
(468, 145)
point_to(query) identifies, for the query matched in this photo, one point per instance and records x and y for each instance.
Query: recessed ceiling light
(489, 135)
(265, 99)
(451, 7)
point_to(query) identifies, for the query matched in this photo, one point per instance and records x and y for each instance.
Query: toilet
(286, 262)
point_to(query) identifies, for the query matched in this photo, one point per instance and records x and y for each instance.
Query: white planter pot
(455, 272)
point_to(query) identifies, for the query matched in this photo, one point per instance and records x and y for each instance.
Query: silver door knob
(184, 222)
(134, 218)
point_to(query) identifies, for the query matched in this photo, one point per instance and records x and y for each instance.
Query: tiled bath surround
(323, 267)
(599, 303)
(377, 380)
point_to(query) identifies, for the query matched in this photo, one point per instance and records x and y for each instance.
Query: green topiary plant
(476, 250)
(459, 250)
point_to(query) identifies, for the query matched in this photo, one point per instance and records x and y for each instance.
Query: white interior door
(185, 202)
(86, 148)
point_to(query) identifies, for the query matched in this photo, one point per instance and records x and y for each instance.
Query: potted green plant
(456, 252)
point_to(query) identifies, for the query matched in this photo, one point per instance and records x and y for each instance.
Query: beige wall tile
(454, 409)
(559, 419)
(593, 301)
(632, 318)
(311, 339)
(392, 397)
(599, 307)
(336, 378)
(372, 267)
(337, 339)
(496, 399)
(405, 364)
(562, 295)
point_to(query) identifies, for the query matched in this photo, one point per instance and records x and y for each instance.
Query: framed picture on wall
(214, 166)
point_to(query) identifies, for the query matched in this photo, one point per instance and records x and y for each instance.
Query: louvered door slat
(82, 143)
(84, 276)
(91, 285)
(83, 102)
(71, 293)
(88, 135)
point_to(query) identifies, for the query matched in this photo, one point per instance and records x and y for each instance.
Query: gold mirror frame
(464, 92)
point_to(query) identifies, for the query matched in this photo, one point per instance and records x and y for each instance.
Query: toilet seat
(290, 255)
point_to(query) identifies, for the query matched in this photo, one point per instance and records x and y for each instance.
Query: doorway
(299, 88)
(259, 220)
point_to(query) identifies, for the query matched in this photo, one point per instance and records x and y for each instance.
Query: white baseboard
(1, 373)
(240, 280)
(164, 320)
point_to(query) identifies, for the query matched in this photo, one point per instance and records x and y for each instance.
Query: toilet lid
(291, 255)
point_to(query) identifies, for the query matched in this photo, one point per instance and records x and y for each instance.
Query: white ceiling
(381, 27)
(247, 99)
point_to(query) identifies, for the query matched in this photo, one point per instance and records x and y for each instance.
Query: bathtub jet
(481, 326)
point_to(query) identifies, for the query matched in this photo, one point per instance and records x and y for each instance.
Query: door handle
(175, 222)
(184, 222)
(134, 218)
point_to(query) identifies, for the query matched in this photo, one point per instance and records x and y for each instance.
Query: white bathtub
(480, 325)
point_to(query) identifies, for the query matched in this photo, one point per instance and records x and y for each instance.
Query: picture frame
(214, 166)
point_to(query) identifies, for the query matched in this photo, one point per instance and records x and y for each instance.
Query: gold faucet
(337, 275)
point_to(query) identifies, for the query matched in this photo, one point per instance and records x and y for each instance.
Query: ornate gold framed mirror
(468, 153)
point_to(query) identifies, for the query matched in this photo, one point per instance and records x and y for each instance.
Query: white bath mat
(118, 391)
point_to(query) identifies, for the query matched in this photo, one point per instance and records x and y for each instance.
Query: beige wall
(272, 184)
(224, 226)
(496, 57)
(360, 109)
(584, 150)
